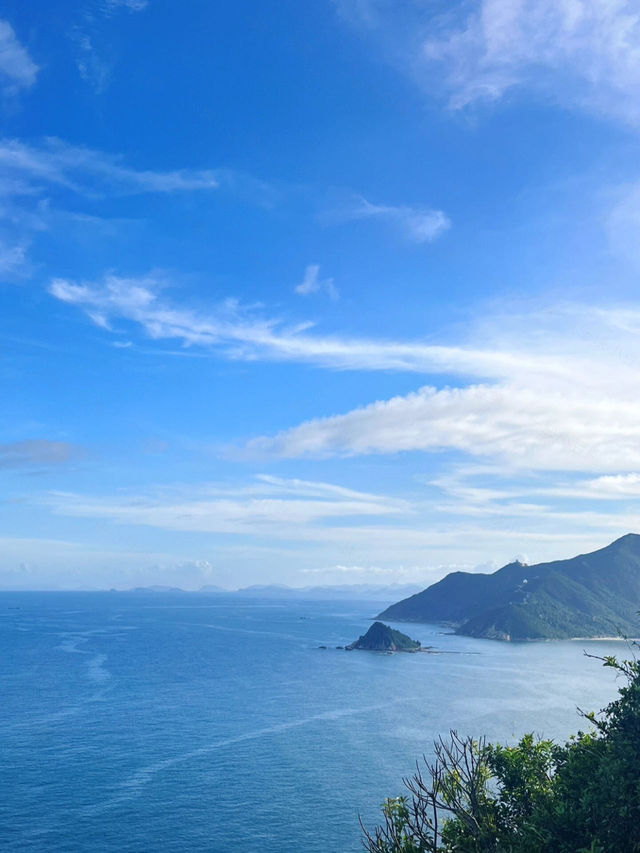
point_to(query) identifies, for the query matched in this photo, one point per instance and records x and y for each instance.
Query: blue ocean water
(184, 722)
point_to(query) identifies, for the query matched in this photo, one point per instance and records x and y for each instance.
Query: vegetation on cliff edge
(535, 797)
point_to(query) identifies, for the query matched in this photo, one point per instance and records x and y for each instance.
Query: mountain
(382, 638)
(591, 595)
(156, 588)
(383, 594)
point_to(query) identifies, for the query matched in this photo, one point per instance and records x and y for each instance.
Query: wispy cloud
(38, 183)
(52, 184)
(25, 169)
(312, 283)
(392, 575)
(139, 301)
(88, 36)
(242, 334)
(13, 261)
(529, 500)
(547, 401)
(17, 69)
(269, 507)
(532, 391)
(580, 54)
(131, 5)
(277, 519)
(92, 66)
(415, 223)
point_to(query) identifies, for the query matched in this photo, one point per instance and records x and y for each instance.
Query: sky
(333, 292)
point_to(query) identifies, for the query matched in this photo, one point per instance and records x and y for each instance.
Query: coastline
(615, 639)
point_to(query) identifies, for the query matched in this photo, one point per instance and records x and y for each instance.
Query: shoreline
(615, 639)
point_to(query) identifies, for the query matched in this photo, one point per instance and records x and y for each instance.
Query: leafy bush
(535, 797)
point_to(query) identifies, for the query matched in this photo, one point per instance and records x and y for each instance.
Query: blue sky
(340, 291)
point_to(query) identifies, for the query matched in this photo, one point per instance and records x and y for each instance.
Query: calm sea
(168, 722)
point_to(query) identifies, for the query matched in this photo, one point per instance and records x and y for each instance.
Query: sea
(149, 721)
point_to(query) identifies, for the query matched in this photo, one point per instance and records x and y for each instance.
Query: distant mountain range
(592, 595)
(355, 592)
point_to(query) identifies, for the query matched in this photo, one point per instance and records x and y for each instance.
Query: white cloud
(311, 488)
(609, 487)
(580, 54)
(13, 260)
(549, 429)
(17, 69)
(312, 283)
(557, 395)
(26, 169)
(270, 507)
(32, 175)
(243, 335)
(583, 53)
(300, 527)
(388, 574)
(417, 224)
(350, 570)
(131, 5)
(89, 38)
(91, 66)
(555, 390)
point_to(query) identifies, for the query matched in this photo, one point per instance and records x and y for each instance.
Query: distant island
(382, 638)
(591, 595)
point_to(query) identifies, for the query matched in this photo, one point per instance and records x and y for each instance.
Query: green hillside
(592, 595)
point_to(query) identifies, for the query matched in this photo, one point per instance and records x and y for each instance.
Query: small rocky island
(382, 638)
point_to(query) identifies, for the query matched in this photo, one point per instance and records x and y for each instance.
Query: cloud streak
(132, 5)
(531, 392)
(547, 429)
(240, 334)
(39, 182)
(547, 400)
(278, 519)
(416, 224)
(270, 507)
(88, 36)
(25, 169)
(17, 69)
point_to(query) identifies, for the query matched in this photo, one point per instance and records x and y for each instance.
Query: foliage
(535, 797)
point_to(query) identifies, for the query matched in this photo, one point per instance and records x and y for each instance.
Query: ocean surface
(192, 722)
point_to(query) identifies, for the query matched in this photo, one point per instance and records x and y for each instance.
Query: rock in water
(382, 638)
